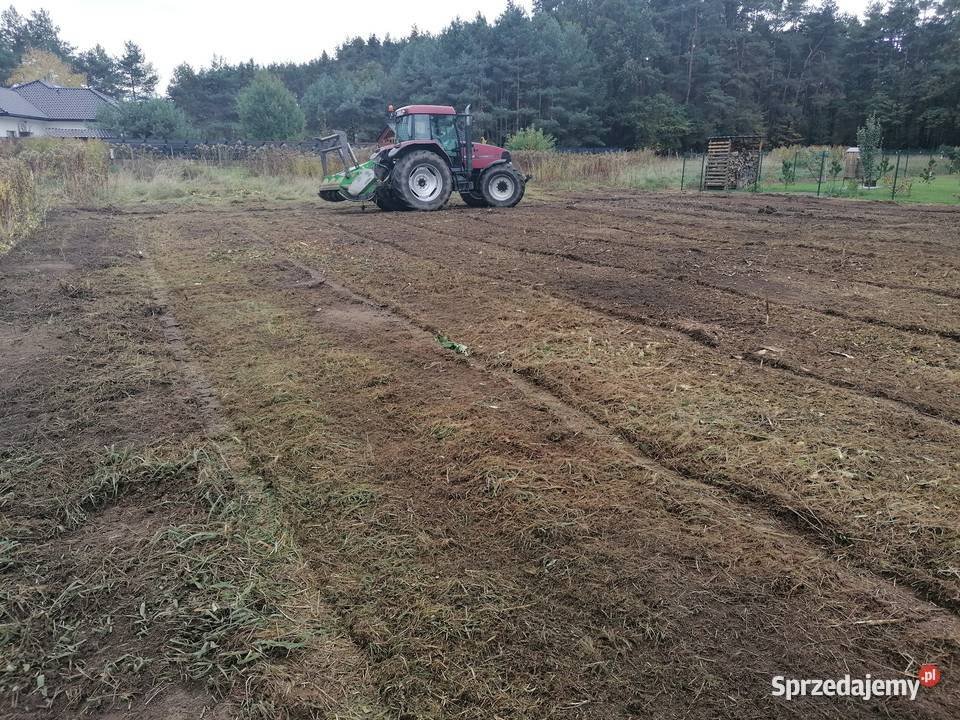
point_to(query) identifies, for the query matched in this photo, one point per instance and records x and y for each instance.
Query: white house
(40, 108)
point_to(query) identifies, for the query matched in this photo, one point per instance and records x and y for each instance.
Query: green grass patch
(942, 190)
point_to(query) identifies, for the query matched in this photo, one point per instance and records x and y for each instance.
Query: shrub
(836, 167)
(145, 119)
(531, 138)
(788, 172)
(928, 174)
(953, 155)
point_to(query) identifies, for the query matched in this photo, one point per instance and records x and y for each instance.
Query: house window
(25, 133)
(11, 133)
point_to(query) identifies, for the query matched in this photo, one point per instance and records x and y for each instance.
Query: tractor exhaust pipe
(468, 142)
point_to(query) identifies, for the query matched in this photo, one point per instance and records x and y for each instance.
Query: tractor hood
(487, 151)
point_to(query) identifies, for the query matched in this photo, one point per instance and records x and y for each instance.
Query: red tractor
(423, 155)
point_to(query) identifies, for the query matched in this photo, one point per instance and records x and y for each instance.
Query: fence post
(823, 161)
(796, 159)
(683, 171)
(756, 183)
(703, 164)
(896, 174)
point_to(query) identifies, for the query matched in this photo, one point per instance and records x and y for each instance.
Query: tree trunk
(693, 45)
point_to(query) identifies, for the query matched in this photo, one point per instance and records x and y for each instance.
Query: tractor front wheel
(422, 180)
(502, 186)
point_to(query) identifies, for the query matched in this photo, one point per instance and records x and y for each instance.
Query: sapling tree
(868, 139)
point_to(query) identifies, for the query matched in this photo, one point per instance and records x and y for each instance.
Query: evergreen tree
(138, 79)
(101, 69)
(662, 73)
(321, 103)
(268, 111)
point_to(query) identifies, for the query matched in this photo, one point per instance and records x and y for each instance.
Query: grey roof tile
(76, 133)
(12, 103)
(62, 103)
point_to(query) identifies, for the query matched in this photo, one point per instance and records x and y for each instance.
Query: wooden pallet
(717, 173)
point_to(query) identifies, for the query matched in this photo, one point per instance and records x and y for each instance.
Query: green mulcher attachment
(357, 181)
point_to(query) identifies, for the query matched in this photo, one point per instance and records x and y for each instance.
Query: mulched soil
(696, 442)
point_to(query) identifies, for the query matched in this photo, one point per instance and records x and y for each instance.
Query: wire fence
(904, 175)
(922, 176)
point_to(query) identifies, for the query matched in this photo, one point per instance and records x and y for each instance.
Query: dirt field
(694, 442)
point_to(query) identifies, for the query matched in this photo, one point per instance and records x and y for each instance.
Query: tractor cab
(438, 124)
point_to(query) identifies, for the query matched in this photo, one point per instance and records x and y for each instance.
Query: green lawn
(944, 190)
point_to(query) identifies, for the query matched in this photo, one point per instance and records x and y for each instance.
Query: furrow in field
(484, 541)
(867, 473)
(881, 369)
(763, 219)
(937, 273)
(746, 278)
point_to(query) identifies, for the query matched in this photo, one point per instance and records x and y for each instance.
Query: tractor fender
(497, 163)
(505, 161)
(403, 148)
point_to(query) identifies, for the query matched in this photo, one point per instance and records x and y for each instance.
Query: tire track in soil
(933, 290)
(810, 527)
(755, 224)
(929, 589)
(666, 204)
(701, 337)
(573, 257)
(218, 427)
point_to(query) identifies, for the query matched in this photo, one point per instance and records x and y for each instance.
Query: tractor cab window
(421, 127)
(444, 131)
(413, 127)
(403, 128)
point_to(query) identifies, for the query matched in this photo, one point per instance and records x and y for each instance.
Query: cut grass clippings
(192, 592)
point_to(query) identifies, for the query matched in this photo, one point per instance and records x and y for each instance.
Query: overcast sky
(175, 31)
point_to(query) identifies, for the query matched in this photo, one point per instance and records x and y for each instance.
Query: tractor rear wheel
(502, 186)
(474, 199)
(422, 180)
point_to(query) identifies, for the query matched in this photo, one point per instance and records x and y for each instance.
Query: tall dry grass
(192, 182)
(37, 173)
(271, 161)
(634, 169)
(21, 209)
